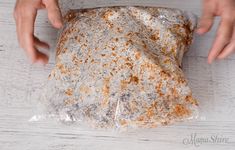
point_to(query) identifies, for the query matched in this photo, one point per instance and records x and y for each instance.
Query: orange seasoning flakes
(155, 36)
(134, 79)
(70, 16)
(69, 92)
(84, 89)
(62, 68)
(70, 101)
(106, 91)
(180, 110)
(137, 55)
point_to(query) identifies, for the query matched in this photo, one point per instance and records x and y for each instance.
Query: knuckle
(17, 12)
(21, 11)
(229, 16)
(53, 6)
(223, 37)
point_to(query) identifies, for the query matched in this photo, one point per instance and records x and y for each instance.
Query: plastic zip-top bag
(119, 67)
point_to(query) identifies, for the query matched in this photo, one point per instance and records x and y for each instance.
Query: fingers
(224, 43)
(41, 57)
(40, 43)
(26, 24)
(29, 42)
(229, 49)
(25, 32)
(205, 23)
(223, 37)
(207, 19)
(54, 14)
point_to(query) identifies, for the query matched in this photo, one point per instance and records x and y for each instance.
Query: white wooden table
(213, 85)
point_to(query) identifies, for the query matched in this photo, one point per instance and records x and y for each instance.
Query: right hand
(224, 43)
(25, 14)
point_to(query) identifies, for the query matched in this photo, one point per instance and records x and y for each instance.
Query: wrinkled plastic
(119, 67)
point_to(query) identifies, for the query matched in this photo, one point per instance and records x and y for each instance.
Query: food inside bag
(121, 67)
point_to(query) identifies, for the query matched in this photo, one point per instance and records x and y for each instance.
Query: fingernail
(42, 62)
(58, 24)
(199, 30)
(211, 61)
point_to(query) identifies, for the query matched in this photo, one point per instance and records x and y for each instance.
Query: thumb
(54, 13)
(205, 24)
(207, 19)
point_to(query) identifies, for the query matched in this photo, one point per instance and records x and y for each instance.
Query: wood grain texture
(213, 85)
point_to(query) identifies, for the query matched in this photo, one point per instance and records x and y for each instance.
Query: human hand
(25, 14)
(224, 43)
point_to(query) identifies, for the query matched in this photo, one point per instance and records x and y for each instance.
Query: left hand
(224, 43)
(25, 14)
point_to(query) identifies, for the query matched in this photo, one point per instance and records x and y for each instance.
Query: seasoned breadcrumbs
(121, 67)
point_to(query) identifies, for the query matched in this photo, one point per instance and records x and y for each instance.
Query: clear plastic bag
(120, 67)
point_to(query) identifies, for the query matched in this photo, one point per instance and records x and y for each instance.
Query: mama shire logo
(195, 140)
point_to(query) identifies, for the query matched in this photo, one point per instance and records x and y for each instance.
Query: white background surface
(213, 85)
